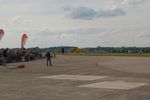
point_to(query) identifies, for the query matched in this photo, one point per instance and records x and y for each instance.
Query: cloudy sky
(82, 23)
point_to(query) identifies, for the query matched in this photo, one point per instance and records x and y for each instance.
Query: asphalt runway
(77, 78)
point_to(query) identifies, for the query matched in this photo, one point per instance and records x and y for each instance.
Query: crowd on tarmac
(18, 55)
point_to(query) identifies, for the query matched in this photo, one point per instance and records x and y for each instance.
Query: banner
(1, 33)
(23, 40)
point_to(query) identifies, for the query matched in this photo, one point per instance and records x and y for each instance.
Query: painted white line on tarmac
(114, 85)
(75, 77)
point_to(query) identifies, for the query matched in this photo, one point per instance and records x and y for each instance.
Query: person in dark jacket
(5, 51)
(48, 57)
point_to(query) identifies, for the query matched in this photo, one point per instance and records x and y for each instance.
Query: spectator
(48, 56)
(5, 52)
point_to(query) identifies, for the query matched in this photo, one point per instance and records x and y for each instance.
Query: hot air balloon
(23, 40)
(1, 33)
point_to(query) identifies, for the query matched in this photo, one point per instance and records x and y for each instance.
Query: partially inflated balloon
(1, 33)
(23, 40)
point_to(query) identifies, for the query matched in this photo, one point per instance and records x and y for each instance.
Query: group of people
(20, 55)
(17, 55)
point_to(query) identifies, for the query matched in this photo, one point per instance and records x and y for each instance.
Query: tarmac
(77, 78)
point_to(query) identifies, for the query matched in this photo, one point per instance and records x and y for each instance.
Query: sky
(82, 23)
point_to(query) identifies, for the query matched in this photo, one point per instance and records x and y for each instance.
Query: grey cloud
(111, 13)
(89, 13)
(67, 8)
(83, 13)
(137, 2)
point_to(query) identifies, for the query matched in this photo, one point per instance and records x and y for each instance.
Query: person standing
(5, 51)
(54, 55)
(48, 57)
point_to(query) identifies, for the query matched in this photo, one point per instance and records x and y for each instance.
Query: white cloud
(0, 1)
(16, 19)
(133, 2)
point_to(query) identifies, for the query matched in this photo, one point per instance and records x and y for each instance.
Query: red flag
(23, 40)
(1, 33)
